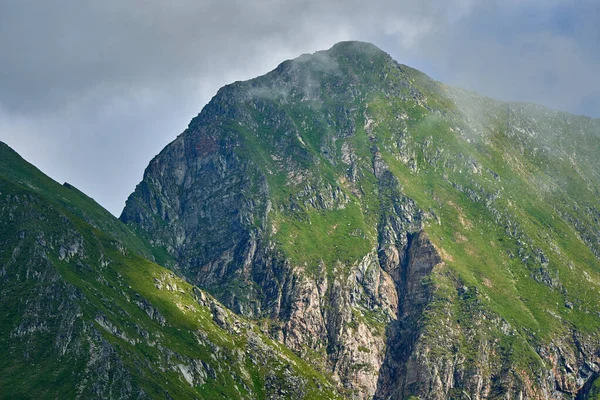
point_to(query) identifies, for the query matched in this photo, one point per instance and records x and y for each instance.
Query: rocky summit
(342, 227)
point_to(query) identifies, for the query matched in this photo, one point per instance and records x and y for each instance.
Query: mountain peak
(353, 53)
(357, 203)
(341, 57)
(350, 47)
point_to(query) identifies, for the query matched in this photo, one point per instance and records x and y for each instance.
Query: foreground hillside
(408, 238)
(85, 315)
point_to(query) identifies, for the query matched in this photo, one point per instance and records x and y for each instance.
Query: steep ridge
(85, 315)
(409, 238)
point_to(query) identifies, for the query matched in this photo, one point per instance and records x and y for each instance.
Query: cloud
(56, 50)
(538, 51)
(91, 90)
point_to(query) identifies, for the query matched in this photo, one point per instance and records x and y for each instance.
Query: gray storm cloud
(90, 90)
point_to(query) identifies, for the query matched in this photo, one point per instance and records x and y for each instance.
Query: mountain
(341, 227)
(406, 237)
(85, 314)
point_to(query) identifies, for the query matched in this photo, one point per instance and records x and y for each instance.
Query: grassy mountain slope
(428, 241)
(85, 315)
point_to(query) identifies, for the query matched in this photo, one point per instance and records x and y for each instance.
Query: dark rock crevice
(398, 377)
(585, 391)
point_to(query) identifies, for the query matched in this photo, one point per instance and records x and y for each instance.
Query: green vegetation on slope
(85, 315)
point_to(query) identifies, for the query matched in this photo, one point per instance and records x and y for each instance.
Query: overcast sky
(91, 90)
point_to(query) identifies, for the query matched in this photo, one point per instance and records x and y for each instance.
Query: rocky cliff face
(84, 315)
(408, 238)
(216, 208)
